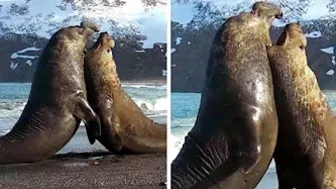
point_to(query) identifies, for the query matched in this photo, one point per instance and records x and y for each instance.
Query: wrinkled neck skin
(200, 171)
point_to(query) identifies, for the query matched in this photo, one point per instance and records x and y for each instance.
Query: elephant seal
(304, 154)
(233, 140)
(57, 101)
(124, 126)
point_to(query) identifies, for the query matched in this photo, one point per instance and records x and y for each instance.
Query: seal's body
(304, 152)
(232, 142)
(124, 126)
(57, 101)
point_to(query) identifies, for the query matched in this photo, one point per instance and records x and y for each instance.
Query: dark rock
(144, 64)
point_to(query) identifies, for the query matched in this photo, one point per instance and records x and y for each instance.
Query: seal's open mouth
(105, 38)
(280, 15)
(112, 43)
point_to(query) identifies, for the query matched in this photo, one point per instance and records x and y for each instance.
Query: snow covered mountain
(26, 26)
(193, 35)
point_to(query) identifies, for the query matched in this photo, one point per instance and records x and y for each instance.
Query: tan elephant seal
(305, 156)
(124, 125)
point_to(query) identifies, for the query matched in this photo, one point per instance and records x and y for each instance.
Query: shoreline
(128, 82)
(98, 169)
(145, 82)
(326, 91)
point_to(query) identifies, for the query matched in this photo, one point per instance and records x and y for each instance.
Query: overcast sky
(151, 23)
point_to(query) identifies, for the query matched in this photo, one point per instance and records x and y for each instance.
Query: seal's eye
(108, 50)
(302, 47)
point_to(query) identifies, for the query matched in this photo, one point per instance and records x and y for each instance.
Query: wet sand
(88, 171)
(145, 82)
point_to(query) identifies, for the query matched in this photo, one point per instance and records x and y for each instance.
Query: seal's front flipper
(91, 120)
(92, 130)
(112, 135)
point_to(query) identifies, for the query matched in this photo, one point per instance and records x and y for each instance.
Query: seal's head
(100, 55)
(75, 35)
(90, 25)
(105, 40)
(104, 43)
(293, 35)
(267, 11)
(99, 61)
(87, 28)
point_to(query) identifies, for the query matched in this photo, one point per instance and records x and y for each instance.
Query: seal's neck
(106, 68)
(265, 15)
(116, 84)
(110, 74)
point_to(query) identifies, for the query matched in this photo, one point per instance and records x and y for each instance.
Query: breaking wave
(11, 109)
(139, 86)
(160, 104)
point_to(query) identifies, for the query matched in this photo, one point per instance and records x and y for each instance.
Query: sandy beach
(88, 171)
(145, 82)
(88, 166)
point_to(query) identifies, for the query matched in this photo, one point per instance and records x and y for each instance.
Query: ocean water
(13, 96)
(184, 112)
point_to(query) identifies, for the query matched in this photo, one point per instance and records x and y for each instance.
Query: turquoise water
(184, 112)
(13, 97)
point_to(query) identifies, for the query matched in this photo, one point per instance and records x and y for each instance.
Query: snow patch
(333, 60)
(15, 56)
(178, 40)
(29, 49)
(173, 65)
(189, 42)
(330, 72)
(160, 45)
(29, 62)
(164, 73)
(140, 51)
(19, 54)
(314, 34)
(173, 50)
(329, 50)
(13, 65)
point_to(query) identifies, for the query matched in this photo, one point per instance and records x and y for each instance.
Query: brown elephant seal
(57, 101)
(233, 140)
(306, 123)
(124, 126)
